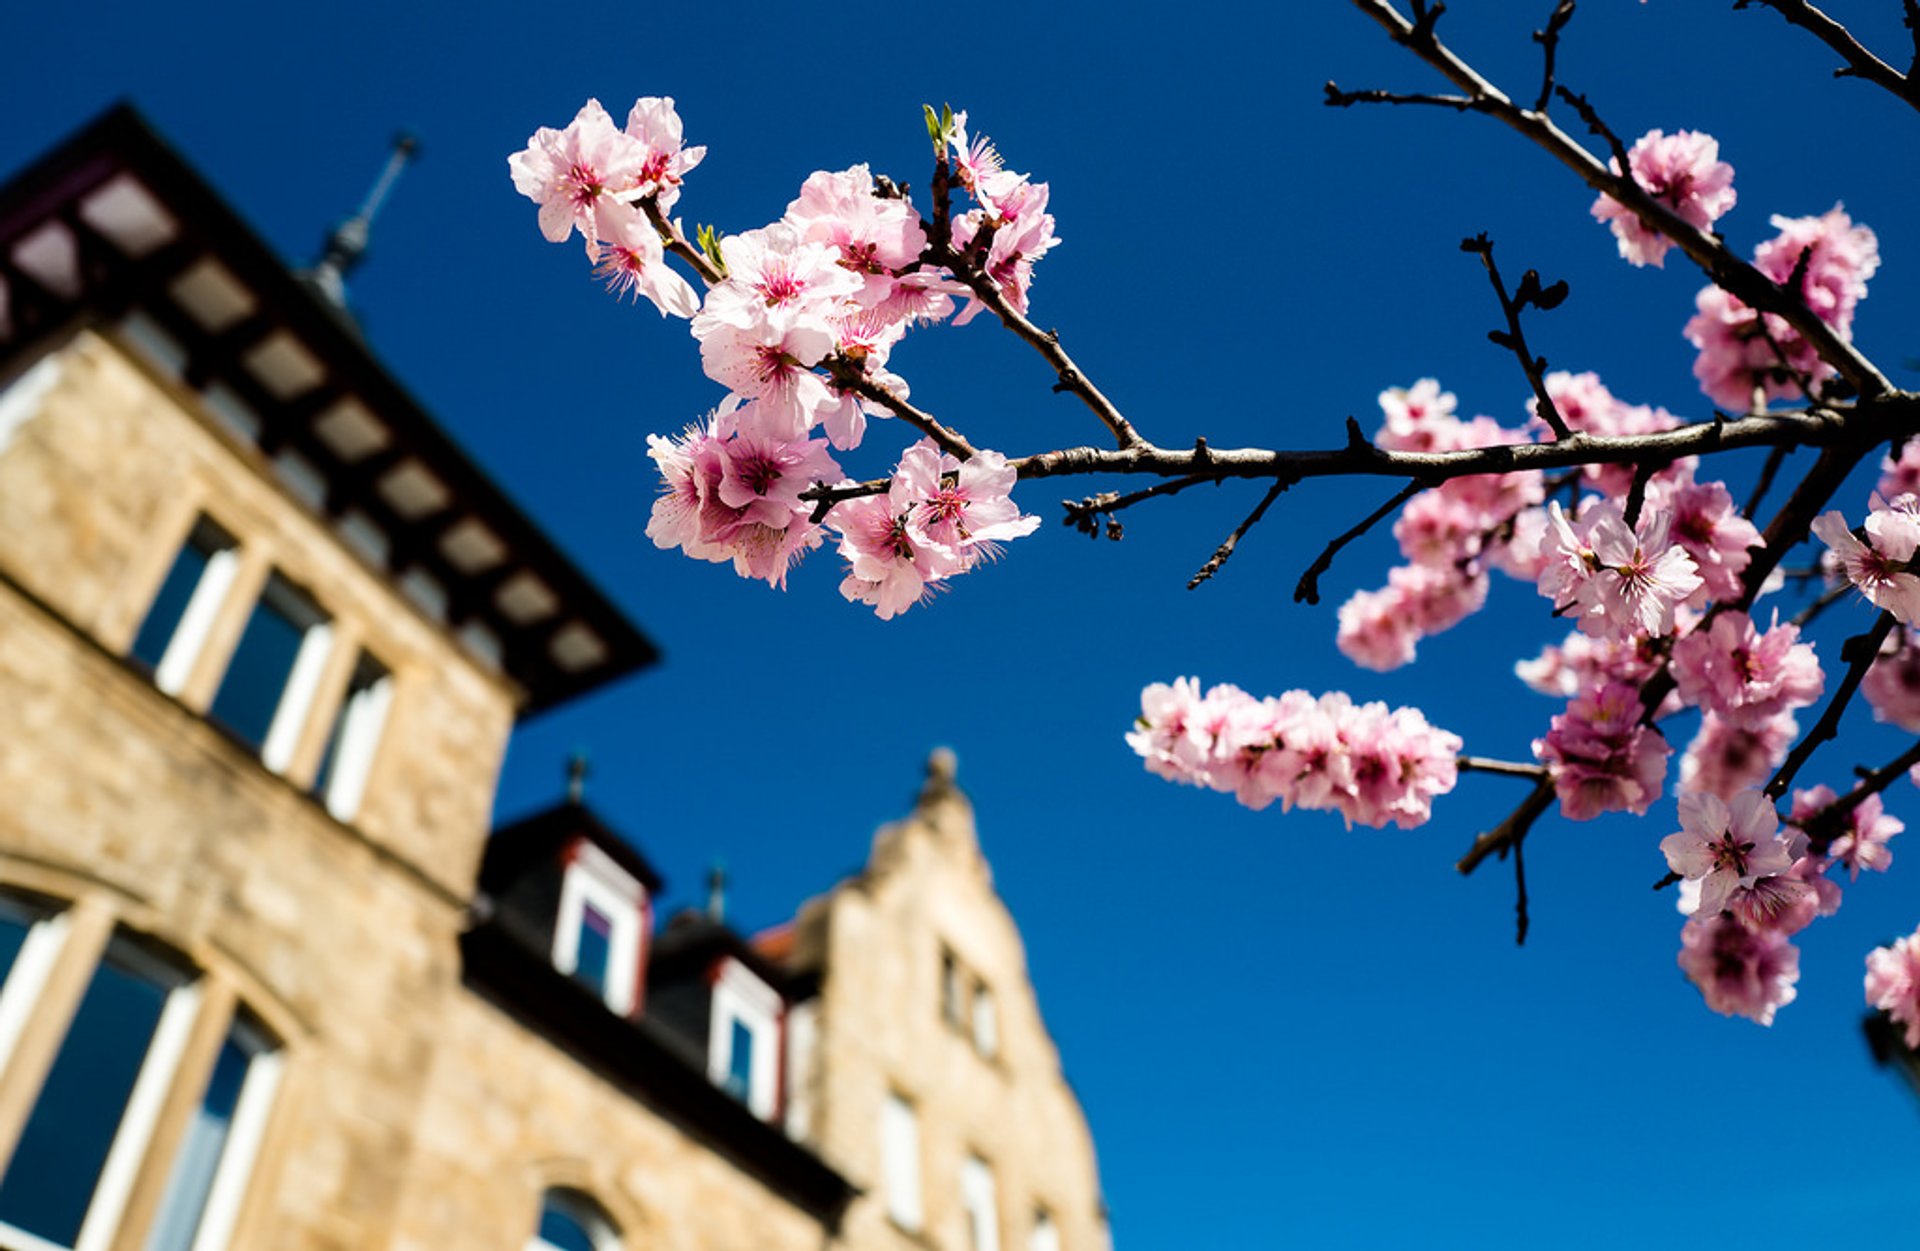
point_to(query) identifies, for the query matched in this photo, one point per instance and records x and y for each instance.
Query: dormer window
(743, 1047)
(600, 930)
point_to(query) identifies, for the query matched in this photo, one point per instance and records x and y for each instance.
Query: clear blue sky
(1285, 1034)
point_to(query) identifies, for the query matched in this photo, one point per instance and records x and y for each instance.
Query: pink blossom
(1586, 405)
(1706, 525)
(1740, 971)
(762, 538)
(1622, 580)
(1725, 758)
(1581, 662)
(965, 506)
(569, 172)
(1379, 629)
(1601, 756)
(1416, 417)
(1835, 256)
(890, 567)
(1862, 842)
(1683, 171)
(1743, 675)
(1893, 983)
(628, 256)
(872, 237)
(655, 126)
(1020, 240)
(773, 274)
(770, 360)
(1892, 683)
(1725, 844)
(1881, 567)
(1167, 733)
(1900, 475)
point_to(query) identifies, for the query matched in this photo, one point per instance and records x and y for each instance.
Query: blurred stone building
(266, 981)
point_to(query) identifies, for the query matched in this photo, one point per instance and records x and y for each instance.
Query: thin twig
(1504, 768)
(1513, 339)
(1549, 41)
(1860, 63)
(1339, 99)
(1225, 550)
(1081, 514)
(1827, 823)
(1518, 822)
(848, 376)
(1764, 482)
(1828, 598)
(1859, 651)
(1307, 590)
(1520, 918)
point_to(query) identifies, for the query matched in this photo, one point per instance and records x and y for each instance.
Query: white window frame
(203, 606)
(738, 995)
(220, 1211)
(592, 877)
(303, 679)
(151, 1085)
(986, 1022)
(1046, 1234)
(900, 1162)
(979, 1204)
(361, 720)
(28, 976)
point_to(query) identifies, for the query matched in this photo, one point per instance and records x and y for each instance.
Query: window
(569, 1221)
(598, 934)
(275, 669)
(210, 1171)
(177, 622)
(986, 1026)
(900, 1161)
(743, 1040)
(75, 1162)
(953, 1004)
(29, 941)
(342, 777)
(977, 1197)
(1046, 1235)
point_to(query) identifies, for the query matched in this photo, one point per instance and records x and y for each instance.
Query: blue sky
(1284, 1033)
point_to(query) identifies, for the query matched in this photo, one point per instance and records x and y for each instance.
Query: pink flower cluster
(798, 329)
(1370, 764)
(1684, 172)
(1893, 983)
(1746, 359)
(1603, 757)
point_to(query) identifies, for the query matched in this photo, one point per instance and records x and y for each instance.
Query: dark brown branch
(1859, 652)
(1225, 550)
(1521, 921)
(1860, 63)
(1340, 99)
(1549, 41)
(1725, 269)
(1515, 827)
(848, 376)
(1825, 824)
(1832, 595)
(1082, 514)
(1764, 482)
(1308, 588)
(677, 244)
(1514, 339)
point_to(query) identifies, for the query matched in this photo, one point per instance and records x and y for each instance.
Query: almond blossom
(568, 173)
(1743, 675)
(628, 256)
(1862, 842)
(1622, 580)
(1881, 566)
(1739, 971)
(1684, 172)
(1893, 983)
(1725, 844)
(1892, 682)
(1602, 758)
(1726, 757)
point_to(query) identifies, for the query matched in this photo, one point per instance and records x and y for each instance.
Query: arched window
(569, 1221)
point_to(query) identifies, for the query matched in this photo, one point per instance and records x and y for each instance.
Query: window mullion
(82, 932)
(190, 1071)
(254, 564)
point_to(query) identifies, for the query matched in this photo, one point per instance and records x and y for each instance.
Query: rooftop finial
(348, 242)
(577, 776)
(942, 768)
(717, 891)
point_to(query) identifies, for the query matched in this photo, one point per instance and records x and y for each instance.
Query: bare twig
(1516, 825)
(1521, 921)
(1504, 768)
(1339, 99)
(1764, 482)
(1225, 550)
(1832, 596)
(1827, 823)
(1860, 63)
(1512, 338)
(1859, 651)
(1082, 514)
(848, 376)
(1308, 588)
(1549, 41)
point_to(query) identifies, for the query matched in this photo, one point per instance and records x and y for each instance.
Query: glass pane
(163, 618)
(50, 1182)
(354, 717)
(740, 1061)
(596, 947)
(562, 1232)
(200, 1150)
(13, 934)
(257, 675)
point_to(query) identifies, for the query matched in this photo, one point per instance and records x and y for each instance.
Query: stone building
(266, 981)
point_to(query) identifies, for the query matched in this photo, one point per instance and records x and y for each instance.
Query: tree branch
(1308, 588)
(1860, 63)
(1825, 824)
(1724, 268)
(1082, 514)
(1225, 550)
(1859, 651)
(1549, 41)
(1515, 827)
(677, 244)
(1514, 339)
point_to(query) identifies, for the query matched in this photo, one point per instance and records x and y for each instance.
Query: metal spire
(347, 245)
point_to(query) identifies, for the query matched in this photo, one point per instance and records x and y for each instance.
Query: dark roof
(532, 840)
(113, 223)
(650, 1064)
(692, 941)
